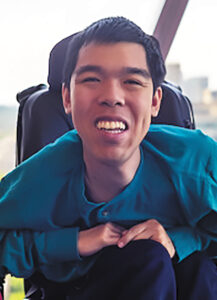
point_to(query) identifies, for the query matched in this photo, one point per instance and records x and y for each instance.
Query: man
(118, 210)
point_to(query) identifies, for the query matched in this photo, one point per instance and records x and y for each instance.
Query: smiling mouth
(112, 126)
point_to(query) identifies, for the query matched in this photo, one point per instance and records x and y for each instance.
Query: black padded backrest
(22, 97)
(176, 108)
(41, 117)
(56, 64)
(43, 121)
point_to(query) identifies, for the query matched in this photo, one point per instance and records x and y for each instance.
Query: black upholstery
(176, 109)
(42, 118)
(43, 121)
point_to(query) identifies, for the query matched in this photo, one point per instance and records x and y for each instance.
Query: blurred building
(214, 96)
(204, 101)
(174, 73)
(196, 89)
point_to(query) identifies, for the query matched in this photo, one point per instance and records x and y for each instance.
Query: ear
(156, 101)
(66, 99)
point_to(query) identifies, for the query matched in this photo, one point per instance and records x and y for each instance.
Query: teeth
(111, 125)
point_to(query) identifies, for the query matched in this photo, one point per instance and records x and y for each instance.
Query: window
(191, 62)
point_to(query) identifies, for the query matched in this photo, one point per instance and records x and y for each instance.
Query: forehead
(113, 56)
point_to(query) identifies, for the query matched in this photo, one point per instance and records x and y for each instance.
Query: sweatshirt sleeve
(23, 252)
(202, 234)
(187, 240)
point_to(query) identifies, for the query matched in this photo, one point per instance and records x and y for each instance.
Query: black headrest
(176, 108)
(56, 63)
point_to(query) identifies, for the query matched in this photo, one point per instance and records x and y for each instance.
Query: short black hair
(114, 30)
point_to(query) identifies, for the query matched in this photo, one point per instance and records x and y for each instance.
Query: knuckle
(151, 222)
(131, 231)
(156, 225)
(161, 236)
(104, 230)
(155, 222)
(108, 226)
(158, 229)
(104, 237)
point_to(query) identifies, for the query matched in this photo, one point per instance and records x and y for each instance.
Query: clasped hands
(92, 240)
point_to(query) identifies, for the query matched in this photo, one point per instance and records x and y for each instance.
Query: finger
(124, 232)
(148, 227)
(153, 230)
(113, 240)
(131, 234)
(167, 243)
(145, 234)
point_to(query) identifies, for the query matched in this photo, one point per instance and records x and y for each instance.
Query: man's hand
(94, 239)
(150, 229)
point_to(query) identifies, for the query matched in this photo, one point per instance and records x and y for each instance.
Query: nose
(112, 94)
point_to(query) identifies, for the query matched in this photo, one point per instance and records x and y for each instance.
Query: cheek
(141, 110)
(142, 113)
(76, 103)
(80, 110)
(77, 115)
(81, 99)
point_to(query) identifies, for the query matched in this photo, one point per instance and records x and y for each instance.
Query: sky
(29, 30)
(195, 44)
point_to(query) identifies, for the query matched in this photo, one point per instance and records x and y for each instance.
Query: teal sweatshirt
(43, 204)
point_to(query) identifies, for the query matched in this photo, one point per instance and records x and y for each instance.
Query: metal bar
(168, 23)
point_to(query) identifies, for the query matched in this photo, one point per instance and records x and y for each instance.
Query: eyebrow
(125, 70)
(138, 71)
(88, 68)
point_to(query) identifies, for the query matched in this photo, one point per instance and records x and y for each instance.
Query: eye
(133, 82)
(90, 79)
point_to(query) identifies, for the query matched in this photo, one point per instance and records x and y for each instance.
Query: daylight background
(29, 30)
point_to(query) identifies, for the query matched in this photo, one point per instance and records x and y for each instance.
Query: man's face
(111, 100)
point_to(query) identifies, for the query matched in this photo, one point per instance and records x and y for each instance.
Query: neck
(104, 180)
